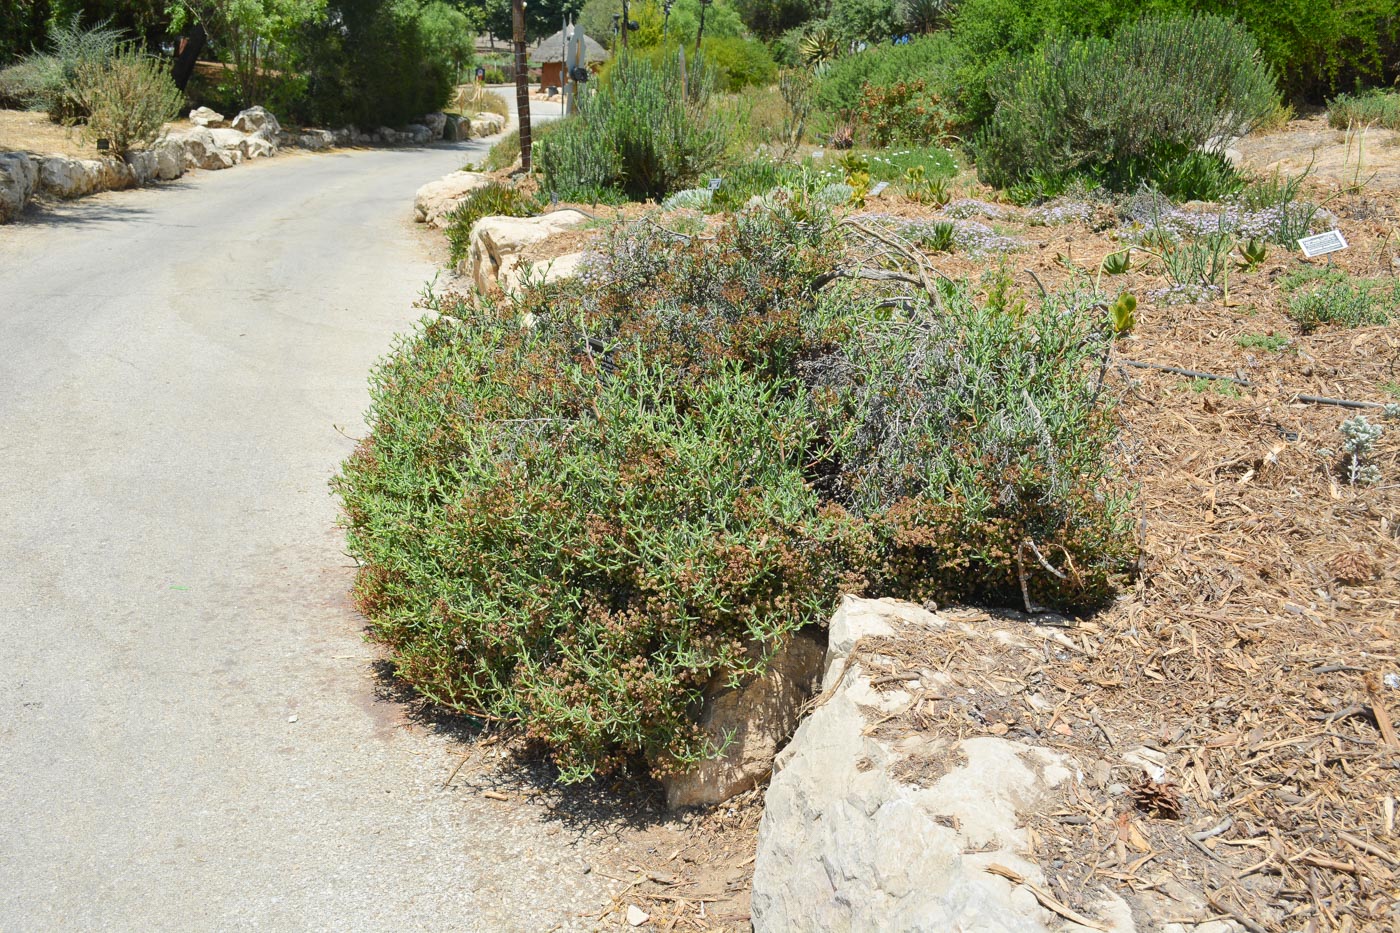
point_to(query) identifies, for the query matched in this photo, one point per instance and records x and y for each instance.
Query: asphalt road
(190, 736)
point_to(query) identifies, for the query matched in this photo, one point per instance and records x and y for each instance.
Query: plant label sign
(1323, 243)
(714, 184)
(875, 192)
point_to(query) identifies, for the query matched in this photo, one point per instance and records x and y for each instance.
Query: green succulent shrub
(576, 509)
(1329, 296)
(493, 200)
(643, 132)
(1128, 109)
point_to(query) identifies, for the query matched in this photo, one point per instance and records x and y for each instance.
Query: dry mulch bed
(1232, 712)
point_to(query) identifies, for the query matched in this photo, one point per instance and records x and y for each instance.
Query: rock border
(211, 144)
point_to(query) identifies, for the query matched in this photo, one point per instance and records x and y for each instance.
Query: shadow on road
(627, 800)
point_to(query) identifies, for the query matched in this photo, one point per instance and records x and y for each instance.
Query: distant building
(548, 57)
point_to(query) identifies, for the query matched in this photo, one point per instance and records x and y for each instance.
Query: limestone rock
(228, 138)
(543, 273)
(487, 124)
(203, 116)
(758, 716)
(438, 198)
(496, 244)
(436, 123)
(416, 134)
(144, 164)
(453, 131)
(254, 119)
(201, 150)
(170, 160)
(63, 177)
(314, 139)
(845, 844)
(19, 176)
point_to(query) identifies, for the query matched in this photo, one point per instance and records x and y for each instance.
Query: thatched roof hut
(551, 51)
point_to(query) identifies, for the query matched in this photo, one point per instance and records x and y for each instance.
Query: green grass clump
(1131, 109)
(1368, 108)
(1271, 342)
(576, 510)
(1328, 296)
(493, 200)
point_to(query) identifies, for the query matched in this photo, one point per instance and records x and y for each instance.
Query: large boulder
(437, 198)
(497, 242)
(170, 159)
(203, 116)
(416, 134)
(453, 131)
(256, 118)
(544, 272)
(66, 178)
(436, 123)
(226, 138)
(754, 718)
(487, 124)
(19, 177)
(201, 150)
(862, 832)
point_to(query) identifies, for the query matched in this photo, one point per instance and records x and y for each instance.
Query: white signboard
(875, 192)
(1323, 243)
(714, 184)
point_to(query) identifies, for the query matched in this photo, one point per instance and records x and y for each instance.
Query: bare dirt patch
(1339, 157)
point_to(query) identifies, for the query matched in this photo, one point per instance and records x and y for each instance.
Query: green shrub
(639, 133)
(1314, 46)
(1327, 296)
(48, 80)
(506, 152)
(128, 99)
(931, 59)
(493, 200)
(739, 63)
(1125, 110)
(1369, 108)
(494, 75)
(574, 524)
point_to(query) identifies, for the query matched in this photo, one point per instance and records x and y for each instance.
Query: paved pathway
(189, 733)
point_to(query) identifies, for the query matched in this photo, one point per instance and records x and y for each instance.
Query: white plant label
(875, 192)
(714, 184)
(1323, 243)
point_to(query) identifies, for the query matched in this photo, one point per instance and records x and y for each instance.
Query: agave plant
(819, 47)
(1119, 262)
(939, 237)
(1252, 252)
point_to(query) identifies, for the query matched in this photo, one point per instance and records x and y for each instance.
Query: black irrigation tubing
(1342, 402)
(1186, 372)
(1297, 397)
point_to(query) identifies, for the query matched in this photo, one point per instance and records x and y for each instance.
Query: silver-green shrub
(645, 131)
(48, 80)
(128, 98)
(1127, 109)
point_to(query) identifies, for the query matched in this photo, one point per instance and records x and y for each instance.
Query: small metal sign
(1322, 243)
(875, 192)
(714, 184)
